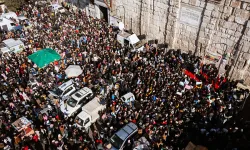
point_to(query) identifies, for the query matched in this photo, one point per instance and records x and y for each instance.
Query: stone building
(216, 30)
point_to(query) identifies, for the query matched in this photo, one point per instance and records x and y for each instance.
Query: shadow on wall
(142, 37)
(199, 29)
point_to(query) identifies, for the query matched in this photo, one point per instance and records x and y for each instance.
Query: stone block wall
(223, 28)
(147, 17)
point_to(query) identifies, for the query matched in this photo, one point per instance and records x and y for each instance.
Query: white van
(10, 15)
(90, 113)
(57, 8)
(64, 90)
(6, 24)
(11, 45)
(124, 38)
(127, 98)
(76, 101)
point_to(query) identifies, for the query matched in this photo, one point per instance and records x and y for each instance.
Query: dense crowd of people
(171, 108)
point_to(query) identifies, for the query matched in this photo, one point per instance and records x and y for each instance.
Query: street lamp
(123, 12)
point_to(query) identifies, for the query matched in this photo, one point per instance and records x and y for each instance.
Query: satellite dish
(121, 26)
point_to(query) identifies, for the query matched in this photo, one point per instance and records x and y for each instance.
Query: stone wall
(200, 26)
(223, 27)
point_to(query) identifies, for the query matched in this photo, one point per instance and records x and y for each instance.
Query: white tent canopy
(73, 71)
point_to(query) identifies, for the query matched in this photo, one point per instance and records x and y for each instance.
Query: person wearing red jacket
(35, 138)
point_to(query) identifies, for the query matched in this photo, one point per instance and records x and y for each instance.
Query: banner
(213, 57)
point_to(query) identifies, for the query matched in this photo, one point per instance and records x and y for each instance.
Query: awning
(44, 57)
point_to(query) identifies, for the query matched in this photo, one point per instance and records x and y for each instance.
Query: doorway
(104, 13)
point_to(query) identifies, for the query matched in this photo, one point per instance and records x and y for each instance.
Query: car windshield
(72, 102)
(123, 99)
(116, 141)
(79, 121)
(57, 91)
(2, 45)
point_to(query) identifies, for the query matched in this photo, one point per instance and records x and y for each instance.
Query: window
(78, 95)
(2, 45)
(88, 96)
(72, 102)
(79, 121)
(123, 99)
(82, 101)
(86, 121)
(68, 90)
(116, 141)
(57, 91)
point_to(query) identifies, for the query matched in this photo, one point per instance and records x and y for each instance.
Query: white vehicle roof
(12, 42)
(83, 115)
(5, 21)
(22, 18)
(5, 50)
(133, 39)
(92, 108)
(9, 15)
(128, 95)
(81, 93)
(65, 85)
